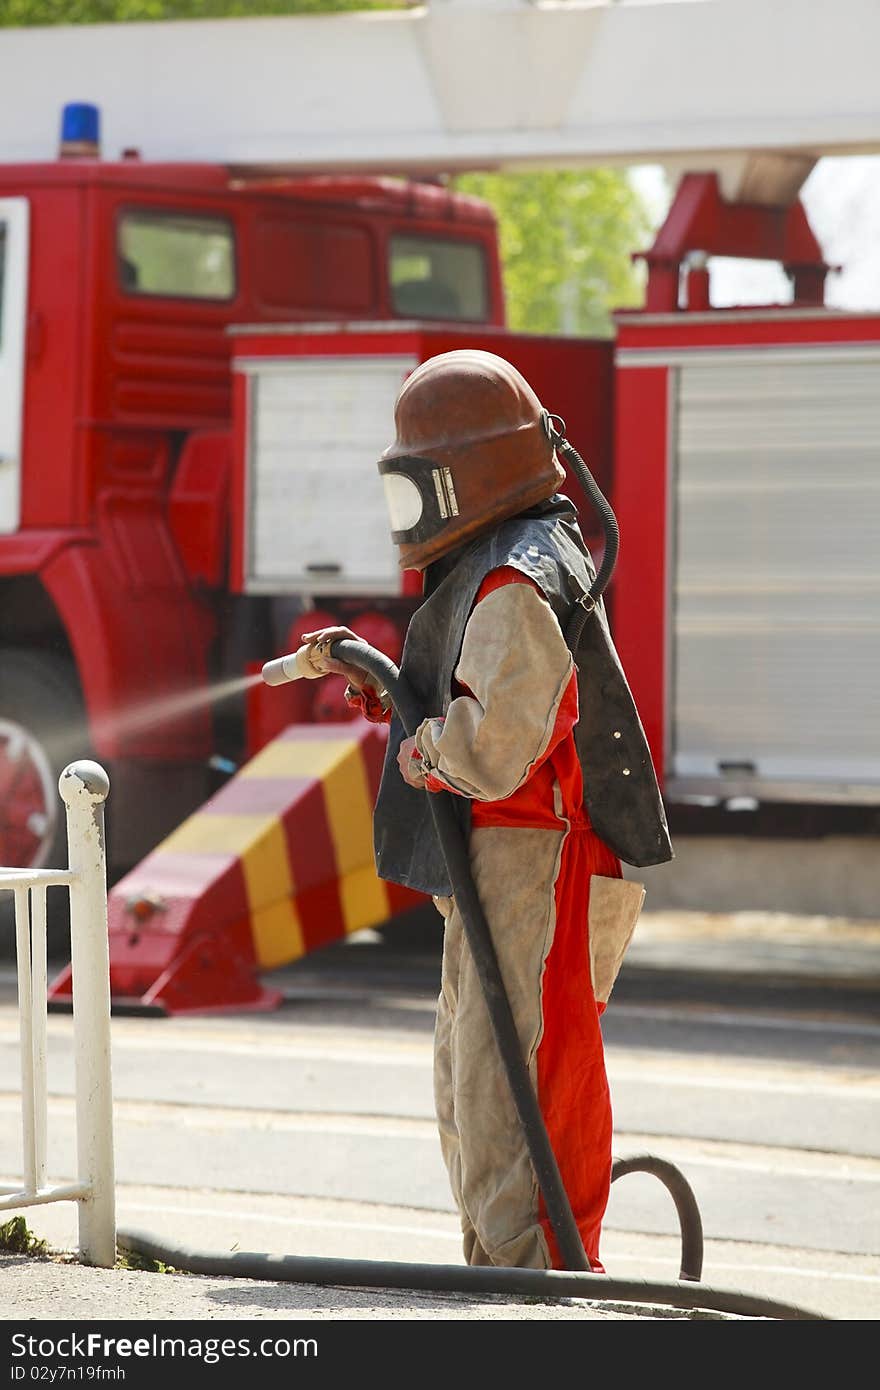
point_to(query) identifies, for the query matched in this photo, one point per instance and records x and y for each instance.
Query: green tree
(26, 13)
(566, 243)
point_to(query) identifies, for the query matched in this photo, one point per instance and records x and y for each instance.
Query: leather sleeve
(516, 668)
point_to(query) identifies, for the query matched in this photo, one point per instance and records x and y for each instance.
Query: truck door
(13, 320)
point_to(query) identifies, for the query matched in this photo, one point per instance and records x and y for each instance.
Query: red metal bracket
(701, 220)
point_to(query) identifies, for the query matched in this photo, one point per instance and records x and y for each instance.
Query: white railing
(83, 786)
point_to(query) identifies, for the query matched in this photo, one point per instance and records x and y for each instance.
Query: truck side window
(174, 254)
(438, 278)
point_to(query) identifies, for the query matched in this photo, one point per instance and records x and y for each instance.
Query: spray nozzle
(293, 667)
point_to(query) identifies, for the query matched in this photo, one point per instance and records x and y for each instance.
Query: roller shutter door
(317, 520)
(775, 569)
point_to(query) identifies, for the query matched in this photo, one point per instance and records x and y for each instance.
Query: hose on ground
(470, 1279)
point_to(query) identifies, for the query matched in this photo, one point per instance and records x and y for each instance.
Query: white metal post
(84, 786)
(39, 985)
(26, 1037)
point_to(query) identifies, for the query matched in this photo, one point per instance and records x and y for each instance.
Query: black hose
(689, 1220)
(581, 1280)
(609, 526)
(479, 938)
(603, 507)
(472, 1279)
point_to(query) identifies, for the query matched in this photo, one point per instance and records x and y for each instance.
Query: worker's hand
(409, 760)
(319, 643)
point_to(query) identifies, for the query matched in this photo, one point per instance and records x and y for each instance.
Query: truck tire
(42, 728)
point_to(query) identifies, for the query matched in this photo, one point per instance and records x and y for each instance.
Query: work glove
(411, 763)
(322, 663)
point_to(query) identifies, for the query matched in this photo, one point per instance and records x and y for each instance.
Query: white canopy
(754, 90)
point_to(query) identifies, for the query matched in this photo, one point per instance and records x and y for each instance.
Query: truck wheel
(42, 728)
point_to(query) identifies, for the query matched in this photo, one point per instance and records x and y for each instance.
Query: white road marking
(319, 1223)
(680, 1071)
(695, 1153)
(624, 1065)
(753, 1158)
(363, 1049)
(789, 1270)
(209, 1117)
(726, 1019)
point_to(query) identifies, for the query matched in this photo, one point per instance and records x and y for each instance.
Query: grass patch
(16, 1238)
(130, 1259)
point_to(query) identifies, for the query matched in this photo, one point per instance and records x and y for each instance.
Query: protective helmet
(473, 447)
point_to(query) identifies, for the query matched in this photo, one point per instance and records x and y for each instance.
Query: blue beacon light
(80, 131)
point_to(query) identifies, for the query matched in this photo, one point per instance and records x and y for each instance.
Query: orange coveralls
(535, 891)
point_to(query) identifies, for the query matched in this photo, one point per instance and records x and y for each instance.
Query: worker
(552, 779)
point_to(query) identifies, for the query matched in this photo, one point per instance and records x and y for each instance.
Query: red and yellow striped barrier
(277, 863)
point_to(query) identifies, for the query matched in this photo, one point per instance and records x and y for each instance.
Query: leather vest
(621, 794)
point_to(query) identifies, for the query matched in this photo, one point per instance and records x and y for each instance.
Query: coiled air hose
(587, 602)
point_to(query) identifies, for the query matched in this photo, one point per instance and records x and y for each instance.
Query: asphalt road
(310, 1130)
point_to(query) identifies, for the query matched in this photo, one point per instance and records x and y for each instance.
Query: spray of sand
(72, 741)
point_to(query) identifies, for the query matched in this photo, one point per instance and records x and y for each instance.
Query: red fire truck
(120, 527)
(196, 379)
(118, 284)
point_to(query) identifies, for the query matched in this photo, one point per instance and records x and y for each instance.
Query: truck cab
(119, 281)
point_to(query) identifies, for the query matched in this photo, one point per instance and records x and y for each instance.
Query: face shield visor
(420, 496)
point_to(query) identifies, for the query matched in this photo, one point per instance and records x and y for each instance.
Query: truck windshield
(179, 255)
(433, 278)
